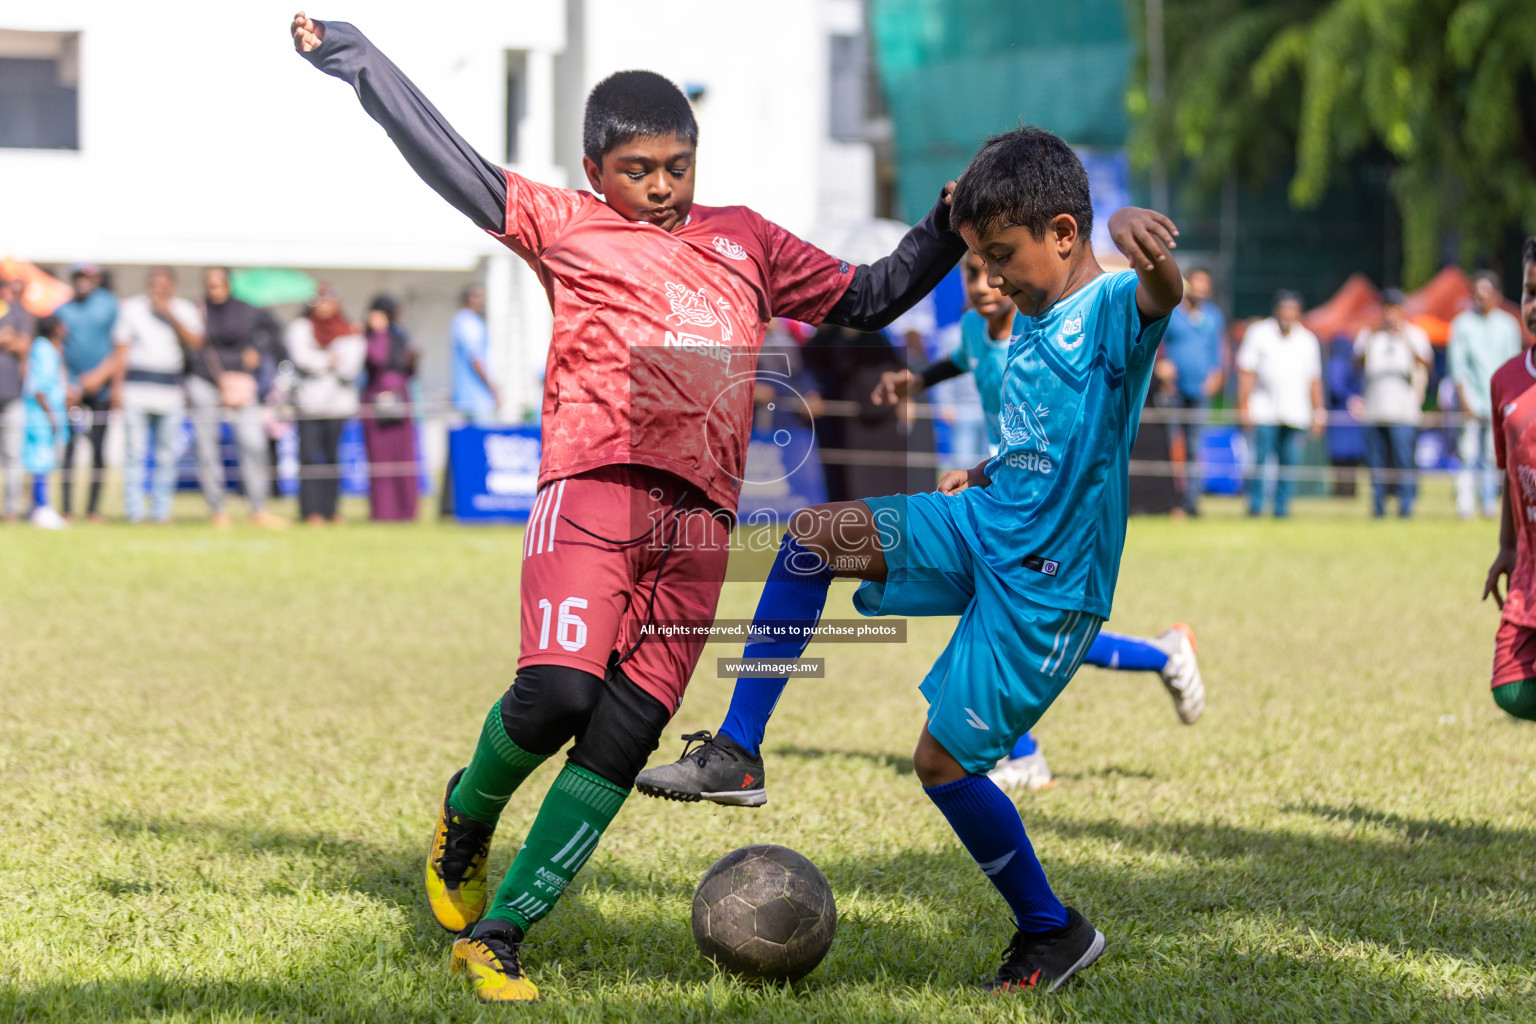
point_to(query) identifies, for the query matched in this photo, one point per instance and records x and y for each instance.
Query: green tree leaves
(1444, 91)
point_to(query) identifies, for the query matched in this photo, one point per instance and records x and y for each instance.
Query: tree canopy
(1441, 91)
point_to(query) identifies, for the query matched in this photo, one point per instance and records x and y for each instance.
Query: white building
(200, 138)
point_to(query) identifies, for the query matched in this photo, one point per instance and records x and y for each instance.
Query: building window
(517, 101)
(39, 90)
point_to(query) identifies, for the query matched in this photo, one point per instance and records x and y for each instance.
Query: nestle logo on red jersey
(729, 249)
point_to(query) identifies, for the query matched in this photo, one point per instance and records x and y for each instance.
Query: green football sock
(577, 809)
(494, 773)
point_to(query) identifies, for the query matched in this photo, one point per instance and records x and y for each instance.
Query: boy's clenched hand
(308, 34)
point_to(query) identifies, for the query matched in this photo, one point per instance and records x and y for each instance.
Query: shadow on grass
(1112, 771)
(1250, 917)
(1415, 829)
(900, 763)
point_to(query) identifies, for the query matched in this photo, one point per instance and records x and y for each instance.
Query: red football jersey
(656, 333)
(1514, 443)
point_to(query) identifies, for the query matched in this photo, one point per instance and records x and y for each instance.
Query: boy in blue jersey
(1027, 547)
(986, 329)
(728, 768)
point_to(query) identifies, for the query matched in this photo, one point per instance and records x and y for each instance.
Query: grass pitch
(220, 756)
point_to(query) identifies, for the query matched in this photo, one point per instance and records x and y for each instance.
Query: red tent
(43, 293)
(1357, 305)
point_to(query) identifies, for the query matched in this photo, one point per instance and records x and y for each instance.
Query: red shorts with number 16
(608, 551)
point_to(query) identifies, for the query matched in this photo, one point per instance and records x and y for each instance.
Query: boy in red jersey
(659, 305)
(1513, 390)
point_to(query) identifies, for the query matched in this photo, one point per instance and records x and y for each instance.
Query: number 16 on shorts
(570, 632)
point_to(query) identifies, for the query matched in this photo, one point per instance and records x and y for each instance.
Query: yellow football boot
(492, 963)
(456, 889)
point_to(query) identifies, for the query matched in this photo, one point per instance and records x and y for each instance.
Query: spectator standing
(389, 430)
(474, 395)
(1343, 383)
(221, 381)
(45, 416)
(1279, 395)
(273, 379)
(328, 353)
(913, 328)
(15, 340)
(847, 366)
(1393, 357)
(1482, 339)
(89, 316)
(153, 334)
(1192, 373)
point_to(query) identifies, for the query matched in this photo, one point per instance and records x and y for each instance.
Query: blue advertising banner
(1223, 452)
(1109, 183)
(783, 474)
(495, 473)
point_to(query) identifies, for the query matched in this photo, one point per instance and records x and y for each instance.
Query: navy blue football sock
(1025, 746)
(40, 490)
(789, 610)
(1126, 653)
(988, 824)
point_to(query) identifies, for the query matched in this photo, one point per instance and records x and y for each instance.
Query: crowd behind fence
(273, 402)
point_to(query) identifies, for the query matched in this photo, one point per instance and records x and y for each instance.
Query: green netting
(956, 71)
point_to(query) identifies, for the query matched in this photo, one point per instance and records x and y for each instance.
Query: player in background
(1513, 394)
(1027, 551)
(656, 300)
(727, 767)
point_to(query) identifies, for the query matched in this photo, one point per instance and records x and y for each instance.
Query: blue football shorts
(1009, 656)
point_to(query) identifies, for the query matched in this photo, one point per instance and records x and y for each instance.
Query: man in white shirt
(152, 336)
(1279, 395)
(1483, 338)
(1395, 358)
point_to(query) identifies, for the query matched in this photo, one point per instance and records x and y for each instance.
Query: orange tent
(1357, 305)
(43, 293)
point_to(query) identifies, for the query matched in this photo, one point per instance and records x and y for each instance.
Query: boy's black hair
(1023, 178)
(634, 105)
(46, 325)
(1289, 295)
(1528, 251)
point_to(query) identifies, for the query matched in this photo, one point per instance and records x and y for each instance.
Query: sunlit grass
(219, 756)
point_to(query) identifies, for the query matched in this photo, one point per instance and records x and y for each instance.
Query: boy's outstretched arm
(1146, 237)
(887, 288)
(474, 186)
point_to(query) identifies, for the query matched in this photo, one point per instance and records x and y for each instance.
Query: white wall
(206, 139)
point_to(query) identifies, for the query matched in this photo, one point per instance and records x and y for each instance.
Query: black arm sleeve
(937, 373)
(476, 187)
(881, 292)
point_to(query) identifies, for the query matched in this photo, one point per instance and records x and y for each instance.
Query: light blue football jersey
(1054, 515)
(985, 359)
